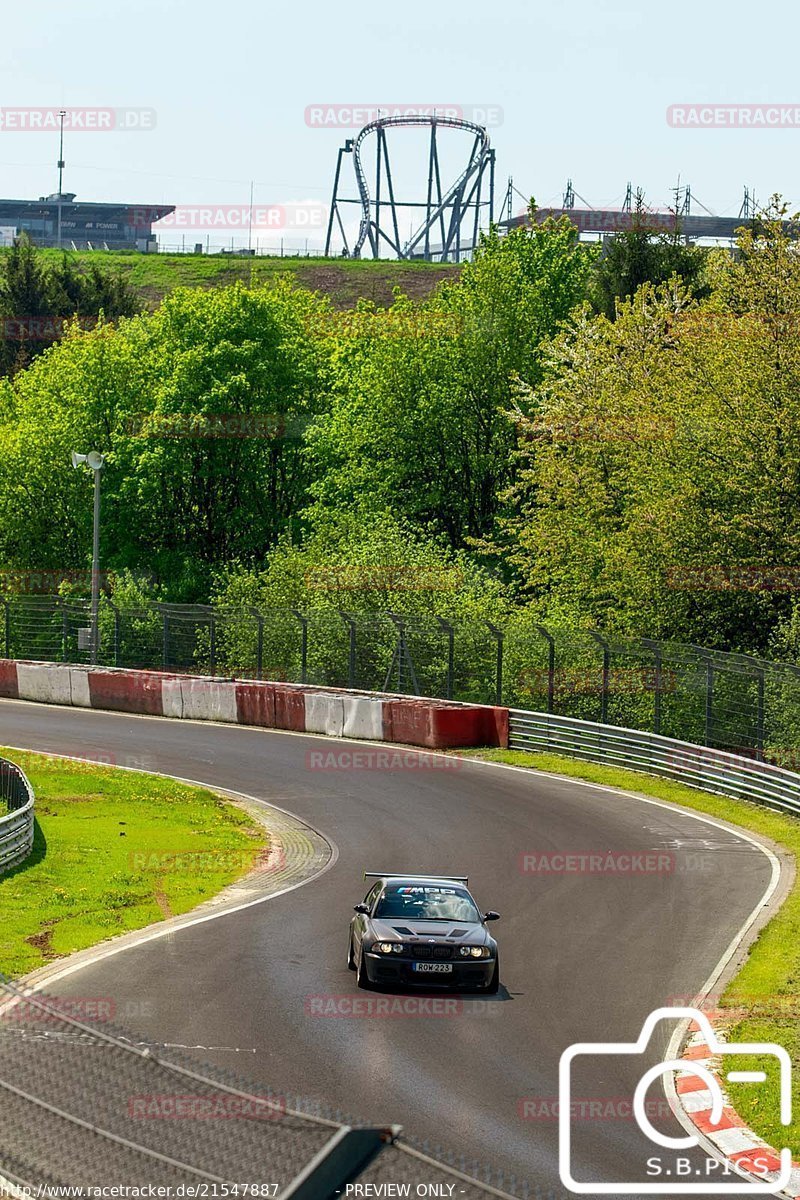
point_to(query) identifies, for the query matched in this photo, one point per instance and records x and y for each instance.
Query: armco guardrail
(698, 766)
(16, 825)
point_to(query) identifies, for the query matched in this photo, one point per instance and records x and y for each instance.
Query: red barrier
(127, 691)
(290, 709)
(255, 704)
(442, 726)
(9, 688)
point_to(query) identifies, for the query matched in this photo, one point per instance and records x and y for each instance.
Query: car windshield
(426, 902)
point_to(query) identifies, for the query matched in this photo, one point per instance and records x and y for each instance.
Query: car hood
(453, 932)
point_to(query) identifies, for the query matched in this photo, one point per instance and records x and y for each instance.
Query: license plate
(434, 968)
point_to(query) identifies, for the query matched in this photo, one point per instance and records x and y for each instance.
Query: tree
(641, 254)
(659, 490)
(417, 424)
(37, 298)
(201, 409)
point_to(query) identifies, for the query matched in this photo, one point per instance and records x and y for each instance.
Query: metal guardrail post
(551, 665)
(303, 644)
(500, 638)
(601, 641)
(451, 654)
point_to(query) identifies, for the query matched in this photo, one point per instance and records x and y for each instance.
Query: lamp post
(61, 114)
(95, 460)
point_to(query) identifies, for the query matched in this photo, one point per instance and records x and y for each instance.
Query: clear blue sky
(584, 88)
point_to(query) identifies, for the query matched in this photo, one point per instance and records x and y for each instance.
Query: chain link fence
(734, 702)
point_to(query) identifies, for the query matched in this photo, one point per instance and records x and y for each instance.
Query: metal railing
(17, 822)
(696, 766)
(736, 702)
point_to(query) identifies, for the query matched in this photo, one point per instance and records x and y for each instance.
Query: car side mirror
(361, 908)
(491, 916)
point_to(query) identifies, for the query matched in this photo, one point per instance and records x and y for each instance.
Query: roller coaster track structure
(446, 210)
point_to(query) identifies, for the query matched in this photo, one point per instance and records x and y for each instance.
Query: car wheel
(362, 979)
(351, 962)
(493, 986)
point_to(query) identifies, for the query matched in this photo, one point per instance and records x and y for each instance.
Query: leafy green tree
(642, 254)
(36, 298)
(201, 409)
(417, 424)
(659, 487)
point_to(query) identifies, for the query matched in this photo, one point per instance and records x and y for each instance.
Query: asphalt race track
(585, 956)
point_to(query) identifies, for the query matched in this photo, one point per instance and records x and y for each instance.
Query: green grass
(104, 860)
(344, 280)
(763, 1001)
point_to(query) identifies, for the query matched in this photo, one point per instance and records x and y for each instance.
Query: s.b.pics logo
(674, 1165)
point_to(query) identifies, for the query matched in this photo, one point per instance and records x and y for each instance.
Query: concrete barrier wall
(334, 712)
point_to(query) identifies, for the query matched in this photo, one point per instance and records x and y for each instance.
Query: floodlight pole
(61, 115)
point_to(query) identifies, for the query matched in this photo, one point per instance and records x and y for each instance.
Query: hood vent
(457, 933)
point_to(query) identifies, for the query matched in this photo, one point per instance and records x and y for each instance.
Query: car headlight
(474, 951)
(385, 947)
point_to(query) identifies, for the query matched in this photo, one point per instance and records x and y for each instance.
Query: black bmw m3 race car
(422, 930)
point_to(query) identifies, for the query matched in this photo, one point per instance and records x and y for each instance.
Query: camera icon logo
(741, 1182)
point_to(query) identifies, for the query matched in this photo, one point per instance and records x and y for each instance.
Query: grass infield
(763, 1001)
(114, 851)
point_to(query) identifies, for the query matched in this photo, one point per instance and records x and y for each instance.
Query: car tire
(362, 979)
(351, 961)
(493, 986)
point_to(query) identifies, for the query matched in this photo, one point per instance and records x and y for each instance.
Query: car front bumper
(383, 968)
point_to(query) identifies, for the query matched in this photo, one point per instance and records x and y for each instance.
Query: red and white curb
(730, 1137)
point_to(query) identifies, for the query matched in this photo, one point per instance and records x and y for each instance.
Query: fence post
(551, 665)
(115, 611)
(658, 668)
(601, 641)
(500, 636)
(303, 644)
(64, 631)
(709, 722)
(448, 629)
(760, 716)
(259, 643)
(6, 629)
(212, 643)
(165, 639)
(351, 655)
